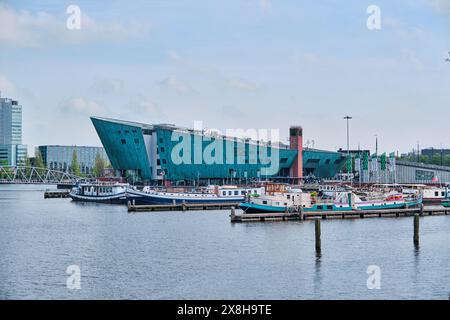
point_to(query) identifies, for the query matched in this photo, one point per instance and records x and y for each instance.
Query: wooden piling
(317, 233)
(416, 229)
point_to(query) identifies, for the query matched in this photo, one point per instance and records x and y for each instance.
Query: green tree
(38, 162)
(28, 165)
(99, 165)
(74, 166)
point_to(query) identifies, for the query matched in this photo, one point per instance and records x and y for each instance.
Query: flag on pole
(392, 161)
(349, 164)
(374, 163)
(365, 161)
(358, 163)
(383, 161)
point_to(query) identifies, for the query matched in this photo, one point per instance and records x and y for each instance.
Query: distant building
(59, 158)
(431, 152)
(12, 151)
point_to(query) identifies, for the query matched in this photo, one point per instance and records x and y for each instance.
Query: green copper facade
(152, 152)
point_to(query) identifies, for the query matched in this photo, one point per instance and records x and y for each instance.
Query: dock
(181, 207)
(51, 194)
(354, 214)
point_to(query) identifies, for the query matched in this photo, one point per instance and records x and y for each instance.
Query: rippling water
(201, 255)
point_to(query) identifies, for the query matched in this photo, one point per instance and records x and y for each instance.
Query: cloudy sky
(232, 64)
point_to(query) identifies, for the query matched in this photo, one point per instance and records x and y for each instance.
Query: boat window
(436, 193)
(224, 193)
(330, 207)
(288, 196)
(229, 193)
(319, 207)
(443, 193)
(285, 204)
(236, 193)
(264, 202)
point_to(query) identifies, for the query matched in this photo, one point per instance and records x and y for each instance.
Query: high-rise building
(12, 151)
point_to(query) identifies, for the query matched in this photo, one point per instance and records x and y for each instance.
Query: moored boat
(296, 201)
(114, 193)
(212, 194)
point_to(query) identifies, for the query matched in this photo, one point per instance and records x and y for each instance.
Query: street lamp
(348, 144)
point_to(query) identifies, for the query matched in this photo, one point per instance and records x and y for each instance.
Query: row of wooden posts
(318, 232)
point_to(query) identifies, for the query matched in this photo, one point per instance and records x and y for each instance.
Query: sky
(262, 64)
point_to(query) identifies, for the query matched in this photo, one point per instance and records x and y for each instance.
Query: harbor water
(201, 255)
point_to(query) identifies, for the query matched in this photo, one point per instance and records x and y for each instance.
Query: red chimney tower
(296, 143)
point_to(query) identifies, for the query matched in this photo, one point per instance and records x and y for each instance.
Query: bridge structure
(33, 175)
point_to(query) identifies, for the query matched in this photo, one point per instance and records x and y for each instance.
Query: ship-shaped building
(165, 152)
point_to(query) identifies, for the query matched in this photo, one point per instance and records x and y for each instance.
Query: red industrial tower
(296, 143)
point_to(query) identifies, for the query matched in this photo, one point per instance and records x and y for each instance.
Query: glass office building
(12, 151)
(56, 157)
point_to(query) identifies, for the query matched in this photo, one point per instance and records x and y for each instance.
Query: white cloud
(412, 59)
(33, 29)
(265, 5)
(442, 6)
(7, 88)
(83, 107)
(242, 84)
(173, 83)
(105, 86)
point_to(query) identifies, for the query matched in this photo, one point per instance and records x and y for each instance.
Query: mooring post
(129, 205)
(416, 229)
(233, 214)
(421, 209)
(317, 232)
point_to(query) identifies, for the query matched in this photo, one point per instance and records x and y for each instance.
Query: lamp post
(348, 142)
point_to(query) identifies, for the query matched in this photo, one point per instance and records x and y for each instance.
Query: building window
(123, 141)
(158, 162)
(136, 140)
(162, 149)
(164, 161)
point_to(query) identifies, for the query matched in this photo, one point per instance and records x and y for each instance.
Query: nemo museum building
(163, 152)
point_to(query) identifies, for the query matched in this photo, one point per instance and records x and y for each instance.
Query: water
(201, 255)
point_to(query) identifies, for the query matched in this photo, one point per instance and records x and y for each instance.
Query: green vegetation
(436, 159)
(74, 166)
(38, 162)
(99, 165)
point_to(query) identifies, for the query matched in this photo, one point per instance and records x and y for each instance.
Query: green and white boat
(296, 200)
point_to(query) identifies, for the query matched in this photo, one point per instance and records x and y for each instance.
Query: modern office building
(168, 152)
(12, 151)
(56, 157)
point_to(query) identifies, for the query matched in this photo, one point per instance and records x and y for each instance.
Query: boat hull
(115, 199)
(259, 208)
(142, 198)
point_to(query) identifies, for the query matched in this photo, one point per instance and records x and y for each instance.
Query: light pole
(348, 143)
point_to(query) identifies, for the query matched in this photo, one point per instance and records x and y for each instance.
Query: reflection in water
(201, 255)
(317, 273)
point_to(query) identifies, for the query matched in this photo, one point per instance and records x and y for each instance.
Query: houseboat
(296, 201)
(114, 193)
(211, 194)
